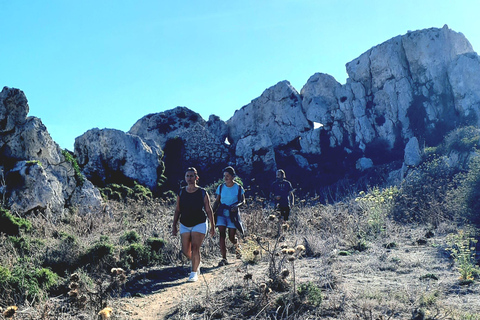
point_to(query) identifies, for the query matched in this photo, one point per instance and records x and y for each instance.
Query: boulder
(413, 154)
(113, 156)
(38, 175)
(187, 140)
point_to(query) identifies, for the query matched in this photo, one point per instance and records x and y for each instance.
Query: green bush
(421, 196)
(156, 246)
(26, 281)
(463, 139)
(140, 192)
(79, 177)
(100, 255)
(11, 225)
(130, 237)
(64, 254)
(120, 192)
(310, 294)
(134, 256)
(470, 191)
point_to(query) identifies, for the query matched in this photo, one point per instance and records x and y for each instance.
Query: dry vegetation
(396, 252)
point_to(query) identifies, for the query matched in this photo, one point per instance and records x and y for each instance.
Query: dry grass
(355, 266)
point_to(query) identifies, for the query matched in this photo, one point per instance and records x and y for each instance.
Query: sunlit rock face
(113, 156)
(187, 140)
(35, 172)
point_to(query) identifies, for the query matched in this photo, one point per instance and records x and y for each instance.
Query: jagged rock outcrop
(36, 173)
(408, 86)
(187, 140)
(113, 156)
(402, 94)
(413, 87)
(274, 119)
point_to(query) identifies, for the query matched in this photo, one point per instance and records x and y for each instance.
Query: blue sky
(105, 64)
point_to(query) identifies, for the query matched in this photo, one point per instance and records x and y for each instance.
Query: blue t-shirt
(229, 195)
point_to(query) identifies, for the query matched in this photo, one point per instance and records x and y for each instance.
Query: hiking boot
(193, 277)
(222, 263)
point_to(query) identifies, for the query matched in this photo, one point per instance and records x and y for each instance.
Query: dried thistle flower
(272, 217)
(263, 286)
(256, 252)
(73, 285)
(291, 258)
(285, 273)
(117, 271)
(73, 293)
(105, 313)
(300, 248)
(284, 246)
(291, 251)
(82, 299)
(10, 311)
(285, 226)
(284, 250)
(74, 277)
(122, 277)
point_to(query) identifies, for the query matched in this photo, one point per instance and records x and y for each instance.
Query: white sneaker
(193, 277)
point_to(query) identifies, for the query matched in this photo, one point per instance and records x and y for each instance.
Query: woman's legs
(223, 235)
(187, 244)
(197, 240)
(232, 237)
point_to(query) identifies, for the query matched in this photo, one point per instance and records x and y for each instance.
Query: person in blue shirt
(230, 196)
(282, 194)
(194, 212)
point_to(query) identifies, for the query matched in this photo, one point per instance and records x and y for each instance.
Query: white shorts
(201, 228)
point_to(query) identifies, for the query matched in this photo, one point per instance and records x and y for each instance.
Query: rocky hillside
(401, 95)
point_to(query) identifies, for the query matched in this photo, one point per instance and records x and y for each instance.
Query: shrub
(11, 225)
(120, 192)
(462, 139)
(422, 194)
(79, 177)
(26, 280)
(469, 191)
(64, 254)
(100, 255)
(130, 237)
(310, 293)
(462, 249)
(134, 256)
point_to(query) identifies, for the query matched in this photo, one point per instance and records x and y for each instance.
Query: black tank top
(192, 208)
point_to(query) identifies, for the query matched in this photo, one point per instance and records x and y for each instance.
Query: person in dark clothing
(193, 208)
(282, 193)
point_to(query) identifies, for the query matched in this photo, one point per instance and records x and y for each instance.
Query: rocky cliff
(400, 96)
(416, 86)
(36, 175)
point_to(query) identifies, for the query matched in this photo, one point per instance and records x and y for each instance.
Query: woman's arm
(208, 209)
(176, 217)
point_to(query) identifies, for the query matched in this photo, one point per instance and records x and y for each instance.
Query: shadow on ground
(154, 280)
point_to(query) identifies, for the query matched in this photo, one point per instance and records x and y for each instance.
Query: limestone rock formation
(113, 156)
(36, 173)
(272, 120)
(187, 140)
(405, 92)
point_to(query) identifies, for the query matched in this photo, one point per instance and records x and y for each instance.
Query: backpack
(235, 217)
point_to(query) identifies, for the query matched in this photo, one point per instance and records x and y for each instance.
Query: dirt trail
(163, 289)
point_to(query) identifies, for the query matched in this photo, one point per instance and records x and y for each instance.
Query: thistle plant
(462, 250)
(376, 204)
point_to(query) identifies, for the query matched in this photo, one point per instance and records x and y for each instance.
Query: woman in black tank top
(193, 208)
